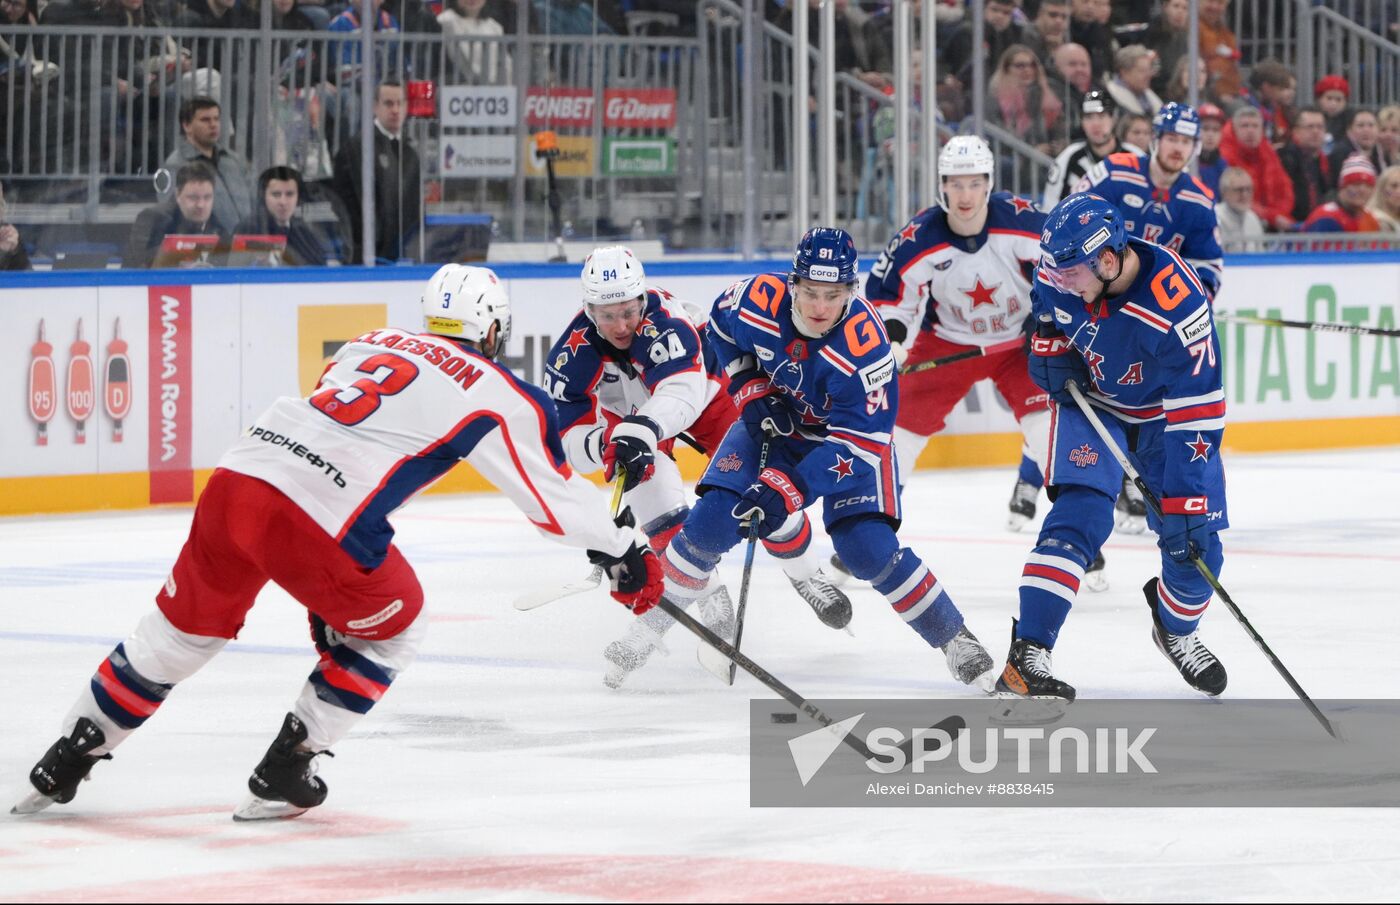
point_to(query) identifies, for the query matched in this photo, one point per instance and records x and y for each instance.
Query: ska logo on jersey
(731, 462)
(843, 468)
(1200, 448)
(1084, 456)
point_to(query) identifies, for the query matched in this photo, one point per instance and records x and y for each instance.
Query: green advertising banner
(639, 156)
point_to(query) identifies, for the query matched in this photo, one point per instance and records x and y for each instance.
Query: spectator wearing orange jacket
(1221, 50)
(1242, 145)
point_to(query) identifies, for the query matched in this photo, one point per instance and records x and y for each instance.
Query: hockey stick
(1196, 560)
(1315, 326)
(977, 352)
(533, 599)
(950, 725)
(754, 524)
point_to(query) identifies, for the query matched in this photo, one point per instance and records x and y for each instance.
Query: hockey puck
(783, 717)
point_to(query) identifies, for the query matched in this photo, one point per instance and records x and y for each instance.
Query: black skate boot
(1130, 512)
(832, 606)
(1197, 665)
(1021, 509)
(969, 661)
(1028, 671)
(285, 783)
(56, 776)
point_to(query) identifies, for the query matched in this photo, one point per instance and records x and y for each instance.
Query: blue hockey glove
(760, 406)
(1054, 363)
(771, 498)
(631, 446)
(1185, 527)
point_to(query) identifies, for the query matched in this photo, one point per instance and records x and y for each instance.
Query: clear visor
(627, 312)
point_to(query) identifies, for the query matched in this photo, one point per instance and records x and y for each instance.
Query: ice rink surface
(500, 768)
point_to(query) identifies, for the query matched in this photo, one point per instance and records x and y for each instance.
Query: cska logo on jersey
(1133, 374)
(731, 462)
(907, 234)
(1022, 205)
(981, 295)
(577, 339)
(1084, 456)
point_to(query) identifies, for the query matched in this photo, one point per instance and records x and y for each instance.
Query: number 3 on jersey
(388, 374)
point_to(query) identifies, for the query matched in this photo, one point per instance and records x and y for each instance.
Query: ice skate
(1094, 578)
(1029, 672)
(1021, 509)
(717, 612)
(1130, 512)
(832, 606)
(631, 652)
(969, 661)
(56, 776)
(285, 783)
(838, 575)
(1197, 665)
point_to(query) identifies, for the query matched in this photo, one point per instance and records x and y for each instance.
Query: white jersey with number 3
(393, 413)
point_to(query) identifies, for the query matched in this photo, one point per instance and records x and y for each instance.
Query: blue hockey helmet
(1078, 229)
(826, 254)
(1179, 119)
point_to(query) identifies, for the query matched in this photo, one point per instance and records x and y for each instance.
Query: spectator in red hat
(1307, 167)
(1242, 145)
(1348, 213)
(1363, 137)
(1332, 92)
(1210, 164)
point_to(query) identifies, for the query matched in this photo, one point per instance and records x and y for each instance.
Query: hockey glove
(770, 499)
(1185, 527)
(631, 447)
(635, 577)
(1054, 363)
(760, 406)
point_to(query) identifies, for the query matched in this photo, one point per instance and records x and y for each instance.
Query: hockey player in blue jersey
(1129, 322)
(627, 376)
(811, 371)
(1163, 203)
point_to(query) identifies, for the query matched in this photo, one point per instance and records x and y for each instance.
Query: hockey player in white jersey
(629, 374)
(304, 499)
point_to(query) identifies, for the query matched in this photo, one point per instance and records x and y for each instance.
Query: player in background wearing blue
(810, 366)
(630, 373)
(1130, 323)
(1163, 203)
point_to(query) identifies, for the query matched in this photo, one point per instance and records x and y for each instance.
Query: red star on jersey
(981, 295)
(1022, 204)
(842, 468)
(1200, 448)
(907, 233)
(577, 339)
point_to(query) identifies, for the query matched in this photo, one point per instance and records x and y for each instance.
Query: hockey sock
(790, 544)
(131, 684)
(350, 678)
(871, 551)
(1183, 594)
(660, 531)
(1030, 472)
(1076, 527)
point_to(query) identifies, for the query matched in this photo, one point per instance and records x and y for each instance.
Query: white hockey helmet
(611, 274)
(965, 155)
(463, 302)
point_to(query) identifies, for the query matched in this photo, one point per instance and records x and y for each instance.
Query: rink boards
(137, 387)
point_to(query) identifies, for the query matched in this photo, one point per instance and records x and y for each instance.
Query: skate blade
(1014, 710)
(255, 808)
(32, 803)
(986, 683)
(1015, 522)
(715, 663)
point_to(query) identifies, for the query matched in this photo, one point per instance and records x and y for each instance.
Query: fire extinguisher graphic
(43, 397)
(117, 396)
(80, 384)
